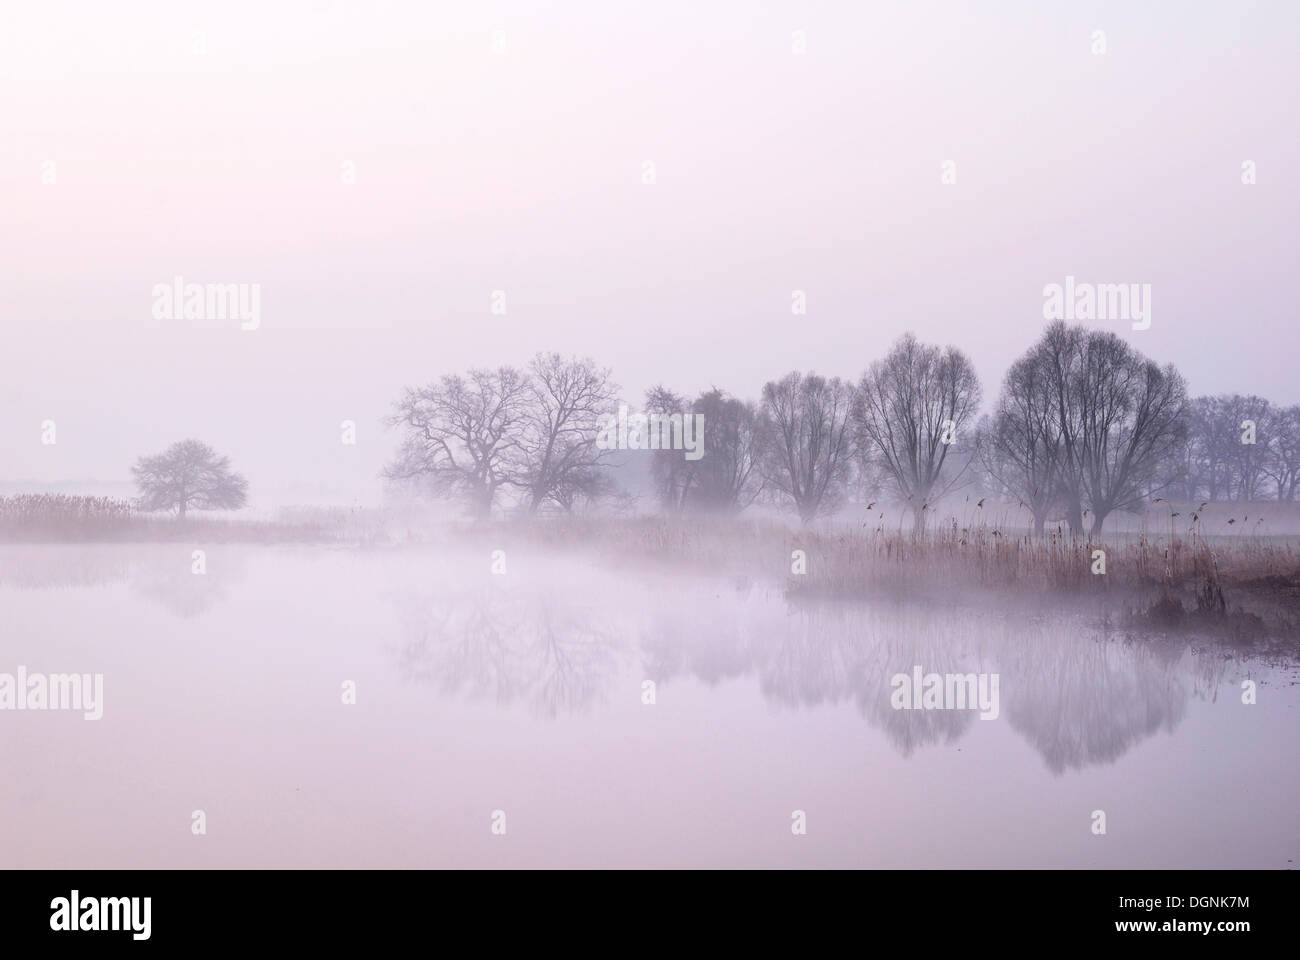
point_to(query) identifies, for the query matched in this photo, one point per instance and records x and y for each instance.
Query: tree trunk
(918, 520)
(1075, 517)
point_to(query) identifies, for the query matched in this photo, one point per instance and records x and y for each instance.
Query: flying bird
(981, 503)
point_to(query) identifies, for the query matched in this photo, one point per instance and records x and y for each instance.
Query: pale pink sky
(521, 171)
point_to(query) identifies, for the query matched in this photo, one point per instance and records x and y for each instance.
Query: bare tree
(1131, 417)
(727, 477)
(1230, 439)
(586, 486)
(910, 408)
(807, 444)
(1283, 461)
(675, 477)
(461, 434)
(1023, 448)
(1230, 448)
(1058, 353)
(1208, 442)
(557, 458)
(189, 474)
(1255, 422)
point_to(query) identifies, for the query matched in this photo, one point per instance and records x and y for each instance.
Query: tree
(910, 408)
(1254, 427)
(1130, 418)
(727, 478)
(674, 476)
(1231, 444)
(557, 458)
(189, 474)
(1113, 425)
(807, 443)
(1058, 354)
(461, 434)
(1223, 462)
(1209, 441)
(1023, 448)
(1283, 461)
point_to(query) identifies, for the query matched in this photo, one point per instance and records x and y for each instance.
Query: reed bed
(63, 518)
(1247, 586)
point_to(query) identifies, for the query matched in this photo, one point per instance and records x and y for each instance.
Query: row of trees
(812, 440)
(1238, 448)
(1083, 426)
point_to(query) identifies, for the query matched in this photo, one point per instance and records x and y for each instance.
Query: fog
(895, 608)
(212, 146)
(524, 692)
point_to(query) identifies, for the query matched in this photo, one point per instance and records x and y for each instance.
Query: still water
(522, 697)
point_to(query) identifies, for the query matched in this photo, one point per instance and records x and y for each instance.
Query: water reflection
(164, 575)
(1086, 700)
(509, 645)
(564, 642)
(52, 566)
(1079, 698)
(167, 578)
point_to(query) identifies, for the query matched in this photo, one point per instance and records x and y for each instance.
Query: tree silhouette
(807, 440)
(462, 433)
(189, 474)
(908, 409)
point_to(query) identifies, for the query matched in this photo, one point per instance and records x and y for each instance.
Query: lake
(519, 701)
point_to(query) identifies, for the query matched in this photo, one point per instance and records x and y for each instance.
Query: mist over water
(523, 693)
(677, 435)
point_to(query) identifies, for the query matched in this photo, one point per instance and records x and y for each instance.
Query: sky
(503, 147)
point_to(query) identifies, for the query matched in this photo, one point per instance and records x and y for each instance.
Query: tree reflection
(1077, 696)
(510, 645)
(164, 575)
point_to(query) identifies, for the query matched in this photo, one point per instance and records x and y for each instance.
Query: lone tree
(189, 474)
